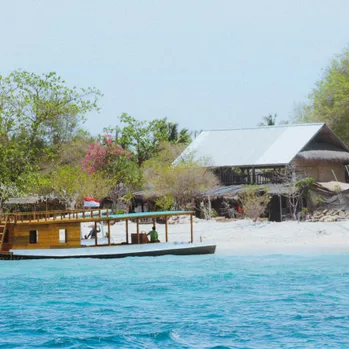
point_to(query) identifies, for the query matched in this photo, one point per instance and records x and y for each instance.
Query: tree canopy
(38, 113)
(269, 120)
(329, 100)
(45, 149)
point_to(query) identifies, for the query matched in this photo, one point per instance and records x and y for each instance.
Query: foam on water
(214, 301)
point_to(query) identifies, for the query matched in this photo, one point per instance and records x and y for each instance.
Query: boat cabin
(62, 229)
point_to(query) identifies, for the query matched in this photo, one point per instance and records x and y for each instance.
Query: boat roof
(98, 215)
(149, 214)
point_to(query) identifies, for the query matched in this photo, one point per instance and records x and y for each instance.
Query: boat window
(63, 238)
(6, 236)
(33, 237)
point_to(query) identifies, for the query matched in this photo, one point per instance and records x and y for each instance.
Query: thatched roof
(231, 191)
(334, 186)
(324, 155)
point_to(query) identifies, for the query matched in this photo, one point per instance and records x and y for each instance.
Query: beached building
(261, 155)
(256, 155)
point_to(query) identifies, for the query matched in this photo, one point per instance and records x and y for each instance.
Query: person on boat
(154, 236)
(93, 233)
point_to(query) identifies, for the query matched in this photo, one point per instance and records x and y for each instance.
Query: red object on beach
(91, 202)
(90, 199)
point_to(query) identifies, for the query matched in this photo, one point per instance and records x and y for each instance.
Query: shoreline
(247, 237)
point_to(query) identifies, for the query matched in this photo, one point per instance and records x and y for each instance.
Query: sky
(209, 64)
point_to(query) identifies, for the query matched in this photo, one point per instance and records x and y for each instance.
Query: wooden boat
(57, 234)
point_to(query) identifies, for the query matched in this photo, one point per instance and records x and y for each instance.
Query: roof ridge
(266, 127)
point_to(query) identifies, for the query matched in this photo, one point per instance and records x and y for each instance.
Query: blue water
(176, 302)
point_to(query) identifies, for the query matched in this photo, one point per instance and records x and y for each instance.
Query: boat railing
(22, 217)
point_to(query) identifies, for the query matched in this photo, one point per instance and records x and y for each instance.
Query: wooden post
(127, 231)
(280, 201)
(96, 240)
(154, 222)
(191, 229)
(166, 227)
(138, 231)
(108, 233)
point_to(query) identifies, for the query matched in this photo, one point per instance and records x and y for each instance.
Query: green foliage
(142, 138)
(42, 146)
(166, 154)
(254, 201)
(269, 120)
(319, 200)
(41, 110)
(177, 137)
(304, 185)
(329, 100)
(38, 114)
(165, 203)
(183, 182)
(73, 151)
(70, 185)
(304, 211)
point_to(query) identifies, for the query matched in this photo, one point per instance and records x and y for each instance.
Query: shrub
(165, 203)
(254, 201)
(304, 211)
(319, 200)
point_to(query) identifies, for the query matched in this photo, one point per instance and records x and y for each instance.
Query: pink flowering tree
(110, 158)
(104, 155)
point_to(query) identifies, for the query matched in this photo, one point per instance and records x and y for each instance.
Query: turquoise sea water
(211, 301)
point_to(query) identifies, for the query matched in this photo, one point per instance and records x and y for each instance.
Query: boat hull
(146, 250)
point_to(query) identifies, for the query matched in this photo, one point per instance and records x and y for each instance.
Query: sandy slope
(245, 236)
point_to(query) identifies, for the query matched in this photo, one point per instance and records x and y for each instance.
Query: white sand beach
(247, 237)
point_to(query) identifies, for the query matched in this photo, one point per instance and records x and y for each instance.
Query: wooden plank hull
(147, 250)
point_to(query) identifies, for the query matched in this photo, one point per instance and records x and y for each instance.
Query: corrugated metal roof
(263, 146)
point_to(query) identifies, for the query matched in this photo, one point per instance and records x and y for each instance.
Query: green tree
(175, 136)
(269, 120)
(74, 151)
(38, 113)
(142, 138)
(254, 201)
(70, 185)
(184, 182)
(329, 100)
(41, 111)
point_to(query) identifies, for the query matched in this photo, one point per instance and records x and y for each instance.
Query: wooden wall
(321, 171)
(48, 235)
